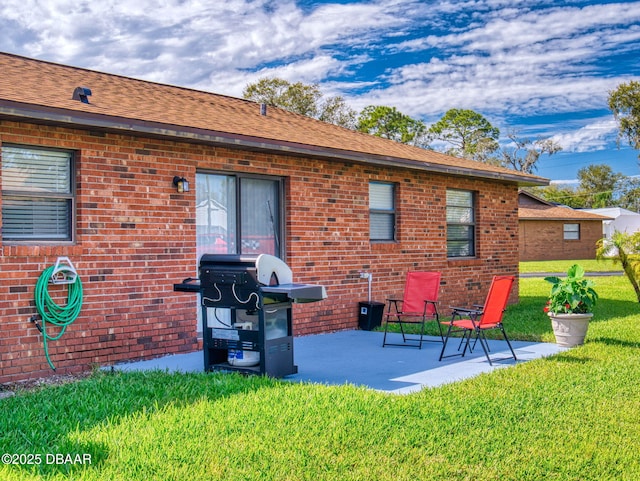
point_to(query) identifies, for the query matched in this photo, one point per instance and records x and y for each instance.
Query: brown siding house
(88, 166)
(554, 232)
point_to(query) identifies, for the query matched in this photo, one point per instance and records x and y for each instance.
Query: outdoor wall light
(181, 184)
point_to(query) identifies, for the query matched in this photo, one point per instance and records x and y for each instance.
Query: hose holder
(52, 314)
(63, 272)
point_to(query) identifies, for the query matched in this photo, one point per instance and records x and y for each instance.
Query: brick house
(556, 232)
(88, 163)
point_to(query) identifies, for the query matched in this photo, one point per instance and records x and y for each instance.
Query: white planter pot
(570, 329)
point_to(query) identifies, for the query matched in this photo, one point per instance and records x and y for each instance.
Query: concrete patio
(357, 357)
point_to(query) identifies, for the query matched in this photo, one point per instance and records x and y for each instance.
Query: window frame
(392, 212)
(565, 232)
(70, 197)
(278, 211)
(472, 225)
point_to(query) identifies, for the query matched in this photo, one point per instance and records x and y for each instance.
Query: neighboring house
(88, 162)
(621, 220)
(556, 232)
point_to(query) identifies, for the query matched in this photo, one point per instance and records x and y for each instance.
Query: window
(460, 223)
(382, 212)
(571, 231)
(238, 214)
(37, 195)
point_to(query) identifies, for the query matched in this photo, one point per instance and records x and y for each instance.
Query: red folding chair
(477, 321)
(417, 306)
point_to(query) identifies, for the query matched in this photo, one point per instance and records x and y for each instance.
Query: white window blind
(37, 194)
(571, 231)
(31, 171)
(460, 223)
(382, 216)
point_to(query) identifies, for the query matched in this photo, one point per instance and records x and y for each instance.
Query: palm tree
(623, 248)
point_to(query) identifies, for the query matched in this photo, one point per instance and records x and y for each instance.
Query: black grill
(246, 312)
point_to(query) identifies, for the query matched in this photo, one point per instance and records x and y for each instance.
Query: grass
(526, 320)
(573, 416)
(589, 265)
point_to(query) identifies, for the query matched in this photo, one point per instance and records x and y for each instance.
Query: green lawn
(574, 416)
(590, 265)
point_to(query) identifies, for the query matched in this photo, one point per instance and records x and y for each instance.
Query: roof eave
(49, 115)
(566, 219)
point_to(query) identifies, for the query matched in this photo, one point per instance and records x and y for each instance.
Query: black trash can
(370, 315)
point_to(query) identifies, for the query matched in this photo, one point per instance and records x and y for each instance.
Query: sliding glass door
(238, 214)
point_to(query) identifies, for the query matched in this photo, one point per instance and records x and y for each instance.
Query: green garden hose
(51, 312)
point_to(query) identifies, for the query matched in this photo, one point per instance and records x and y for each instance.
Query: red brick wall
(544, 240)
(136, 238)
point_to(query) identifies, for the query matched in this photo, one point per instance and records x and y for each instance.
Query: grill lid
(250, 273)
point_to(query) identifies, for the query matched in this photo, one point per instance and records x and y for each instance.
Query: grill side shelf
(188, 285)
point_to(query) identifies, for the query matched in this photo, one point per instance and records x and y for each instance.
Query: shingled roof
(532, 207)
(42, 92)
(557, 213)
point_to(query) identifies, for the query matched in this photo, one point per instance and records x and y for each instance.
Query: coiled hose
(51, 312)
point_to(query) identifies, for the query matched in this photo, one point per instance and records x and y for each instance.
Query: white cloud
(485, 85)
(197, 44)
(306, 70)
(594, 136)
(529, 61)
(511, 28)
(567, 182)
(507, 59)
(512, 57)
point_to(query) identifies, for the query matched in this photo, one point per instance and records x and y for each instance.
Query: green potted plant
(570, 306)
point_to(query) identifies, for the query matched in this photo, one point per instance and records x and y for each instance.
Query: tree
(524, 154)
(389, 123)
(599, 187)
(598, 183)
(334, 110)
(559, 194)
(298, 97)
(469, 134)
(624, 102)
(629, 193)
(623, 248)
(302, 99)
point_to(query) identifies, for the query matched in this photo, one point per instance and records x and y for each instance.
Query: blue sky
(541, 68)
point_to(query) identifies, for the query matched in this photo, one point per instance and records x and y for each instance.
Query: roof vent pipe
(81, 94)
(263, 109)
